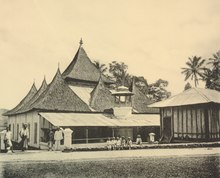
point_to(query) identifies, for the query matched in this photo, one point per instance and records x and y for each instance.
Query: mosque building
(82, 101)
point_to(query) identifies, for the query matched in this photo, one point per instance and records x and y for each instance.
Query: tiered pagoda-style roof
(61, 95)
(82, 69)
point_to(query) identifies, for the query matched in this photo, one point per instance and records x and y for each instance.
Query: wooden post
(196, 123)
(182, 121)
(187, 120)
(210, 122)
(191, 122)
(113, 132)
(218, 117)
(201, 122)
(172, 122)
(178, 129)
(87, 135)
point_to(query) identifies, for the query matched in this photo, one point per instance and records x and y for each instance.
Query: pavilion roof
(191, 96)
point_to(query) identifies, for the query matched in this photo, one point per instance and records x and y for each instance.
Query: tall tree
(194, 69)
(215, 60)
(212, 73)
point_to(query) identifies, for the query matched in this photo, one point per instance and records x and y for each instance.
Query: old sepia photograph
(109, 89)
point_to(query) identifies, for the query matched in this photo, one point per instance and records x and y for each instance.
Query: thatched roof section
(192, 96)
(59, 97)
(28, 105)
(81, 68)
(140, 101)
(24, 101)
(101, 97)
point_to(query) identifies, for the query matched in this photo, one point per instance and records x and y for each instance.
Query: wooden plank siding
(188, 122)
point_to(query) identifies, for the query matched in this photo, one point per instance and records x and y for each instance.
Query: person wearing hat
(24, 134)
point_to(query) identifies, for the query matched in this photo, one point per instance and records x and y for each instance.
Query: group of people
(53, 143)
(55, 139)
(24, 135)
(121, 143)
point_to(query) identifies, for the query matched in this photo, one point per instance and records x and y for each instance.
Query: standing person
(58, 136)
(8, 138)
(24, 134)
(51, 139)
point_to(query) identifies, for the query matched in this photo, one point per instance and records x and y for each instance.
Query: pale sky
(154, 38)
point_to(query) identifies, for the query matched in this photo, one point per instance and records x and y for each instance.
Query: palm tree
(215, 62)
(194, 69)
(101, 67)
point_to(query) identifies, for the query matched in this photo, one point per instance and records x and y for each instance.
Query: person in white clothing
(58, 136)
(8, 138)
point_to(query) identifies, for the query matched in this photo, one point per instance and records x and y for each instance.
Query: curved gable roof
(24, 101)
(27, 106)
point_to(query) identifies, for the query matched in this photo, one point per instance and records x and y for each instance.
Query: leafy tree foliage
(157, 91)
(119, 72)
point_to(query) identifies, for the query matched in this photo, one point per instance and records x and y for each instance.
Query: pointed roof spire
(80, 42)
(81, 68)
(58, 65)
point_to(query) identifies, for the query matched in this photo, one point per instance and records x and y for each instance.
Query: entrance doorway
(167, 128)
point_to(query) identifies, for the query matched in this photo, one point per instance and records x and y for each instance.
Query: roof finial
(58, 65)
(81, 42)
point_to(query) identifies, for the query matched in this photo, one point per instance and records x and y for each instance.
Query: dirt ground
(38, 155)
